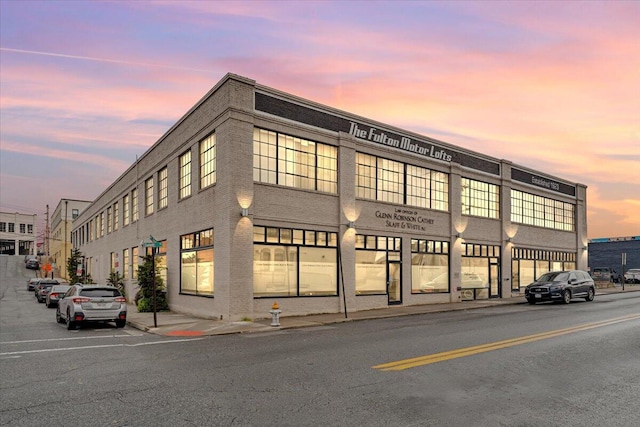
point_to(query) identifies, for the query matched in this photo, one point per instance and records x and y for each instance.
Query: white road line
(47, 350)
(70, 339)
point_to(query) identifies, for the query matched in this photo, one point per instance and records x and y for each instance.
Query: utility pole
(47, 233)
(66, 254)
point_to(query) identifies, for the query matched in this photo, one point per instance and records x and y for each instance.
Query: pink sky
(554, 86)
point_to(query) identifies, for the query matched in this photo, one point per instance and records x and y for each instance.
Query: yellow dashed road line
(400, 365)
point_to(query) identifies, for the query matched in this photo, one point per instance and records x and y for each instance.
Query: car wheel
(49, 305)
(40, 301)
(591, 294)
(120, 323)
(566, 297)
(70, 324)
(58, 317)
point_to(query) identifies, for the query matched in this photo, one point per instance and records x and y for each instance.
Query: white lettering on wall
(404, 143)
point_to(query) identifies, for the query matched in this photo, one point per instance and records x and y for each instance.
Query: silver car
(92, 303)
(56, 293)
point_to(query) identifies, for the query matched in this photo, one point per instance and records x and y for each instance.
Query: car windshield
(100, 292)
(554, 276)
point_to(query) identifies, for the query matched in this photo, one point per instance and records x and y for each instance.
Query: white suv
(92, 303)
(632, 276)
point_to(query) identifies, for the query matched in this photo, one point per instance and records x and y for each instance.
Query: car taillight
(80, 300)
(53, 295)
(120, 299)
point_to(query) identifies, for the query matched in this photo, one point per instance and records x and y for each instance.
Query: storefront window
(197, 263)
(372, 256)
(529, 264)
(429, 266)
(292, 262)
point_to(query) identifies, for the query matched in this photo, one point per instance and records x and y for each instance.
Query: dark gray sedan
(56, 293)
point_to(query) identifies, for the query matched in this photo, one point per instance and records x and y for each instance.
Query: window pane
(318, 271)
(371, 272)
(188, 269)
(274, 270)
(429, 273)
(205, 272)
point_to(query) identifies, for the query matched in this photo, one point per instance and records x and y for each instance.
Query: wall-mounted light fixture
(244, 213)
(351, 224)
(508, 240)
(584, 248)
(458, 235)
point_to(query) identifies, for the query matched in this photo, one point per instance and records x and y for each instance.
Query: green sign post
(154, 245)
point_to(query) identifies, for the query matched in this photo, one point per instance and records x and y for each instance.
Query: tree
(72, 268)
(115, 279)
(144, 296)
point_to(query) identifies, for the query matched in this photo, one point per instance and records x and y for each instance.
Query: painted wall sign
(539, 181)
(427, 147)
(404, 219)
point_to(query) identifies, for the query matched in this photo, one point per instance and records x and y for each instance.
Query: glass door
(394, 282)
(494, 278)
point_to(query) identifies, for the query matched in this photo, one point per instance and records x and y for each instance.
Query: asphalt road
(516, 365)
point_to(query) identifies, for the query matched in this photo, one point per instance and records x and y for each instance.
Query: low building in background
(612, 252)
(256, 196)
(18, 233)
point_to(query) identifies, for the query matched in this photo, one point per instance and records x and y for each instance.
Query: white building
(258, 195)
(18, 233)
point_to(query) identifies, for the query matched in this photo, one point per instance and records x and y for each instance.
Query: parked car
(42, 289)
(632, 275)
(32, 264)
(92, 303)
(561, 286)
(605, 274)
(55, 294)
(31, 283)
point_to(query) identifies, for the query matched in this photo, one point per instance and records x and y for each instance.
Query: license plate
(538, 296)
(101, 304)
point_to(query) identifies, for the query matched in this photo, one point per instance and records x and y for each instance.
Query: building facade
(256, 195)
(18, 233)
(61, 225)
(617, 253)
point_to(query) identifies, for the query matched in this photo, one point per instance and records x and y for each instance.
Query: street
(513, 365)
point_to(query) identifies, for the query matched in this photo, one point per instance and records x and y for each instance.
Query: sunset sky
(85, 87)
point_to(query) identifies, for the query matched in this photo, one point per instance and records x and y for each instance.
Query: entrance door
(494, 278)
(394, 282)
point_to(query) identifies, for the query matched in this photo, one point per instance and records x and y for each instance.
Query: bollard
(275, 314)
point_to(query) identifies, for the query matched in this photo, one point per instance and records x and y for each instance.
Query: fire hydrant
(275, 314)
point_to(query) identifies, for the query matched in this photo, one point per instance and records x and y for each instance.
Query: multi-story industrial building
(256, 195)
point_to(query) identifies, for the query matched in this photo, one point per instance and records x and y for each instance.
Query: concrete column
(457, 228)
(349, 212)
(509, 231)
(582, 260)
(233, 233)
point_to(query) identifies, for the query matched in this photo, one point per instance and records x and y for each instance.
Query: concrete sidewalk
(176, 324)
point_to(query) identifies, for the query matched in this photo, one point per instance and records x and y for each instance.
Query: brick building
(257, 195)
